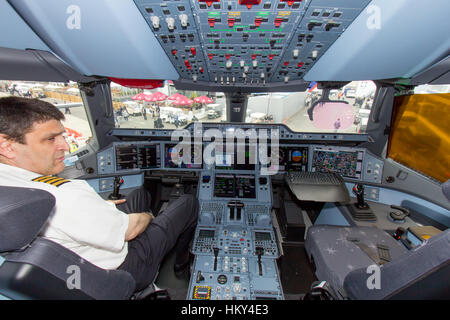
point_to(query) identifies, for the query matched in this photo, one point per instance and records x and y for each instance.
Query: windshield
(169, 108)
(65, 96)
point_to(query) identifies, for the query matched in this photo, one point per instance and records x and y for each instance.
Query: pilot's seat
(347, 259)
(32, 267)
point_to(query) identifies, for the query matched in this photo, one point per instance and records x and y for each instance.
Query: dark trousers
(172, 227)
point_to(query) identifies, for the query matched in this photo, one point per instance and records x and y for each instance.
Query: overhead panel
(247, 43)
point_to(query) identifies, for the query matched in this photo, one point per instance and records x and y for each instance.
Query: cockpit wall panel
(389, 39)
(107, 38)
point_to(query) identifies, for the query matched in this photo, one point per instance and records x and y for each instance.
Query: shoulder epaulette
(54, 181)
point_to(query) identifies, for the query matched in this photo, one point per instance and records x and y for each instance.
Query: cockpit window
(65, 96)
(169, 108)
(419, 137)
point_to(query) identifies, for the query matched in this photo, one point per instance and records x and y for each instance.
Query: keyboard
(314, 178)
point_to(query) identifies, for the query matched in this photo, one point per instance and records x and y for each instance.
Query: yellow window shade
(420, 135)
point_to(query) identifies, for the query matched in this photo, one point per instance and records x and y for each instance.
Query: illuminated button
(193, 51)
(258, 22)
(211, 22)
(231, 22)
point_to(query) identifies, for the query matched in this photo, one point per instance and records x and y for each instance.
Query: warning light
(258, 22)
(300, 64)
(290, 2)
(211, 22)
(209, 2)
(174, 51)
(278, 22)
(249, 3)
(193, 51)
(210, 56)
(231, 22)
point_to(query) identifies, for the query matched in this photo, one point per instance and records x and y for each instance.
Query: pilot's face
(44, 149)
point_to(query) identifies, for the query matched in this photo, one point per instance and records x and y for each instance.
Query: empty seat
(342, 256)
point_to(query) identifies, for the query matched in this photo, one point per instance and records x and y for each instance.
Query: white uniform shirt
(81, 220)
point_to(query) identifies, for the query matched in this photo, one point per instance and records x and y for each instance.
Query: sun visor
(105, 38)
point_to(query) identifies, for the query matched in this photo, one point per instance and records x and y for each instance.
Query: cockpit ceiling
(253, 45)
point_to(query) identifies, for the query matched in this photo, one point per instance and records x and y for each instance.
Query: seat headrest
(23, 213)
(446, 189)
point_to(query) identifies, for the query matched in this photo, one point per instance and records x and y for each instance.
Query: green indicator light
(214, 14)
(262, 14)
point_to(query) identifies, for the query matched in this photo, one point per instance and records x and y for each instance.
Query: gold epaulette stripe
(54, 181)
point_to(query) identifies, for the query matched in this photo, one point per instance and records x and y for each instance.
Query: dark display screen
(234, 186)
(173, 156)
(346, 163)
(133, 156)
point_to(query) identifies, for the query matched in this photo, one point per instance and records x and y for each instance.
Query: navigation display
(346, 163)
(132, 156)
(173, 156)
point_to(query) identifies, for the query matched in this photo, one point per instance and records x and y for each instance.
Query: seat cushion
(335, 255)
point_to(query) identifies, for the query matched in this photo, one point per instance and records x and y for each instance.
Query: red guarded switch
(258, 22)
(278, 22)
(174, 52)
(231, 22)
(193, 51)
(210, 56)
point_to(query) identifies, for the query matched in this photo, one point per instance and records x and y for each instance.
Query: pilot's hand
(116, 202)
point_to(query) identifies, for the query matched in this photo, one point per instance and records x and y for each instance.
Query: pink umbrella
(158, 96)
(140, 96)
(176, 96)
(183, 102)
(203, 99)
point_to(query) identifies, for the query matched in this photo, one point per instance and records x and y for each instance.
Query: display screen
(173, 156)
(240, 159)
(132, 156)
(346, 163)
(262, 236)
(289, 159)
(149, 156)
(234, 186)
(224, 186)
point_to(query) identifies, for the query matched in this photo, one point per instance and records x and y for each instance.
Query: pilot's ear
(6, 147)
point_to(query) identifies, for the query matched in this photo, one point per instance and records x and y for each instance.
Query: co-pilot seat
(32, 267)
(342, 256)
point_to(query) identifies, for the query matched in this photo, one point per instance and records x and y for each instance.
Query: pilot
(32, 148)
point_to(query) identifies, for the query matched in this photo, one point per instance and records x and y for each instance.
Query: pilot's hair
(18, 115)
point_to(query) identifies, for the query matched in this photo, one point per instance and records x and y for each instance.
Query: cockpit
(314, 134)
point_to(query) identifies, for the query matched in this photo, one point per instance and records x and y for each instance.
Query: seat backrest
(423, 273)
(23, 213)
(35, 268)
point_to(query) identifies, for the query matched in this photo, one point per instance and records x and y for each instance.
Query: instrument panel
(355, 164)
